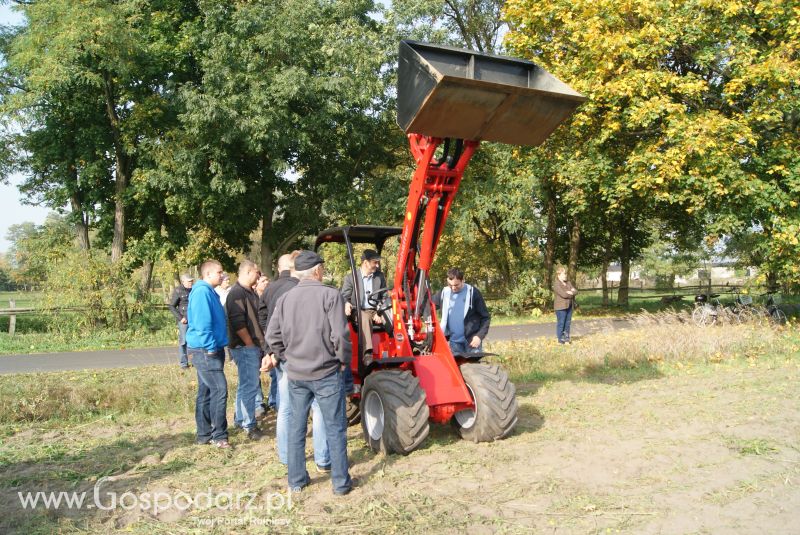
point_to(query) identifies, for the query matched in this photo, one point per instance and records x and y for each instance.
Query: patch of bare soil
(713, 450)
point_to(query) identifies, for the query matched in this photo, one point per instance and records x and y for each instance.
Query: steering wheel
(375, 298)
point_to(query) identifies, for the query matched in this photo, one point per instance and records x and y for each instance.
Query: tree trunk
(604, 281)
(122, 171)
(267, 252)
(550, 241)
(82, 226)
(574, 246)
(147, 279)
(625, 261)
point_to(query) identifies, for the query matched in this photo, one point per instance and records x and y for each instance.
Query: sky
(12, 211)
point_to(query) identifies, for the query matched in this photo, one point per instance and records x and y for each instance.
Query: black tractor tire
(352, 411)
(495, 413)
(394, 412)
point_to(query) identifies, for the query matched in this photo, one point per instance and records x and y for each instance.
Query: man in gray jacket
(308, 332)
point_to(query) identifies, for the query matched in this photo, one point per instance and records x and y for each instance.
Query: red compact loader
(450, 99)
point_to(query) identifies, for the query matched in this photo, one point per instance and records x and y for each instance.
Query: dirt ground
(701, 449)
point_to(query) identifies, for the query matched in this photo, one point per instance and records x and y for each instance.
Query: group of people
(296, 329)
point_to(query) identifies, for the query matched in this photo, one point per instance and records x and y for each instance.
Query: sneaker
(354, 482)
(221, 444)
(254, 433)
(301, 487)
(324, 469)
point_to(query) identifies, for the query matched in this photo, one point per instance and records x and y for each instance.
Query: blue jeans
(182, 355)
(259, 394)
(272, 400)
(563, 319)
(329, 392)
(212, 395)
(248, 360)
(321, 455)
(464, 347)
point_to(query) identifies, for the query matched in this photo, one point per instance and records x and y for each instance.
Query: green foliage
(35, 249)
(87, 279)
(692, 109)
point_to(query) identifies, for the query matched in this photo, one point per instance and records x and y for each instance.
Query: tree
(91, 81)
(287, 113)
(686, 102)
(35, 249)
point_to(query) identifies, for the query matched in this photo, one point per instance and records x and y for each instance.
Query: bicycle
(706, 311)
(744, 309)
(775, 315)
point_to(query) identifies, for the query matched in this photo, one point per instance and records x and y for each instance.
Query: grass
(21, 299)
(643, 405)
(30, 343)
(660, 342)
(42, 333)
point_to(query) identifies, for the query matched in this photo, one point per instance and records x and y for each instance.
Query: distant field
(22, 299)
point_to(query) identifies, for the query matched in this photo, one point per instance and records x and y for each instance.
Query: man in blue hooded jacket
(206, 339)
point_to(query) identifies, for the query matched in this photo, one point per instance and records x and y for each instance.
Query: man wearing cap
(369, 279)
(206, 339)
(280, 381)
(309, 335)
(178, 303)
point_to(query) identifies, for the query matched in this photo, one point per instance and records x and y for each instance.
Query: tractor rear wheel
(394, 412)
(495, 397)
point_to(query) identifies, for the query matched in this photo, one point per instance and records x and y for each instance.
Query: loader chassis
(448, 100)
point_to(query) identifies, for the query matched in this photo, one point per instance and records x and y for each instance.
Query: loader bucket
(449, 92)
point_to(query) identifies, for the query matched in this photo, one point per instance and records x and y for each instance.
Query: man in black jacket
(266, 304)
(246, 340)
(369, 280)
(178, 304)
(463, 315)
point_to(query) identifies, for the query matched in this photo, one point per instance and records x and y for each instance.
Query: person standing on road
(285, 282)
(178, 303)
(308, 333)
(206, 339)
(246, 340)
(464, 317)
(563, 303)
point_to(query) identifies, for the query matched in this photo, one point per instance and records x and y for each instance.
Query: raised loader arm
(453, 98)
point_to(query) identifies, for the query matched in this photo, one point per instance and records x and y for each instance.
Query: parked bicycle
(744, 308)
(773, 312)
(708, 310)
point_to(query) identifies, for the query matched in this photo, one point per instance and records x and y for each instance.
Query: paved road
(132, 358)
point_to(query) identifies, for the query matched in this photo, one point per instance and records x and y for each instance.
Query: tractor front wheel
(495, 412)
(394, 412)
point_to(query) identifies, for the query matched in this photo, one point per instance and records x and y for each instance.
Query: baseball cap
(307, 260)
